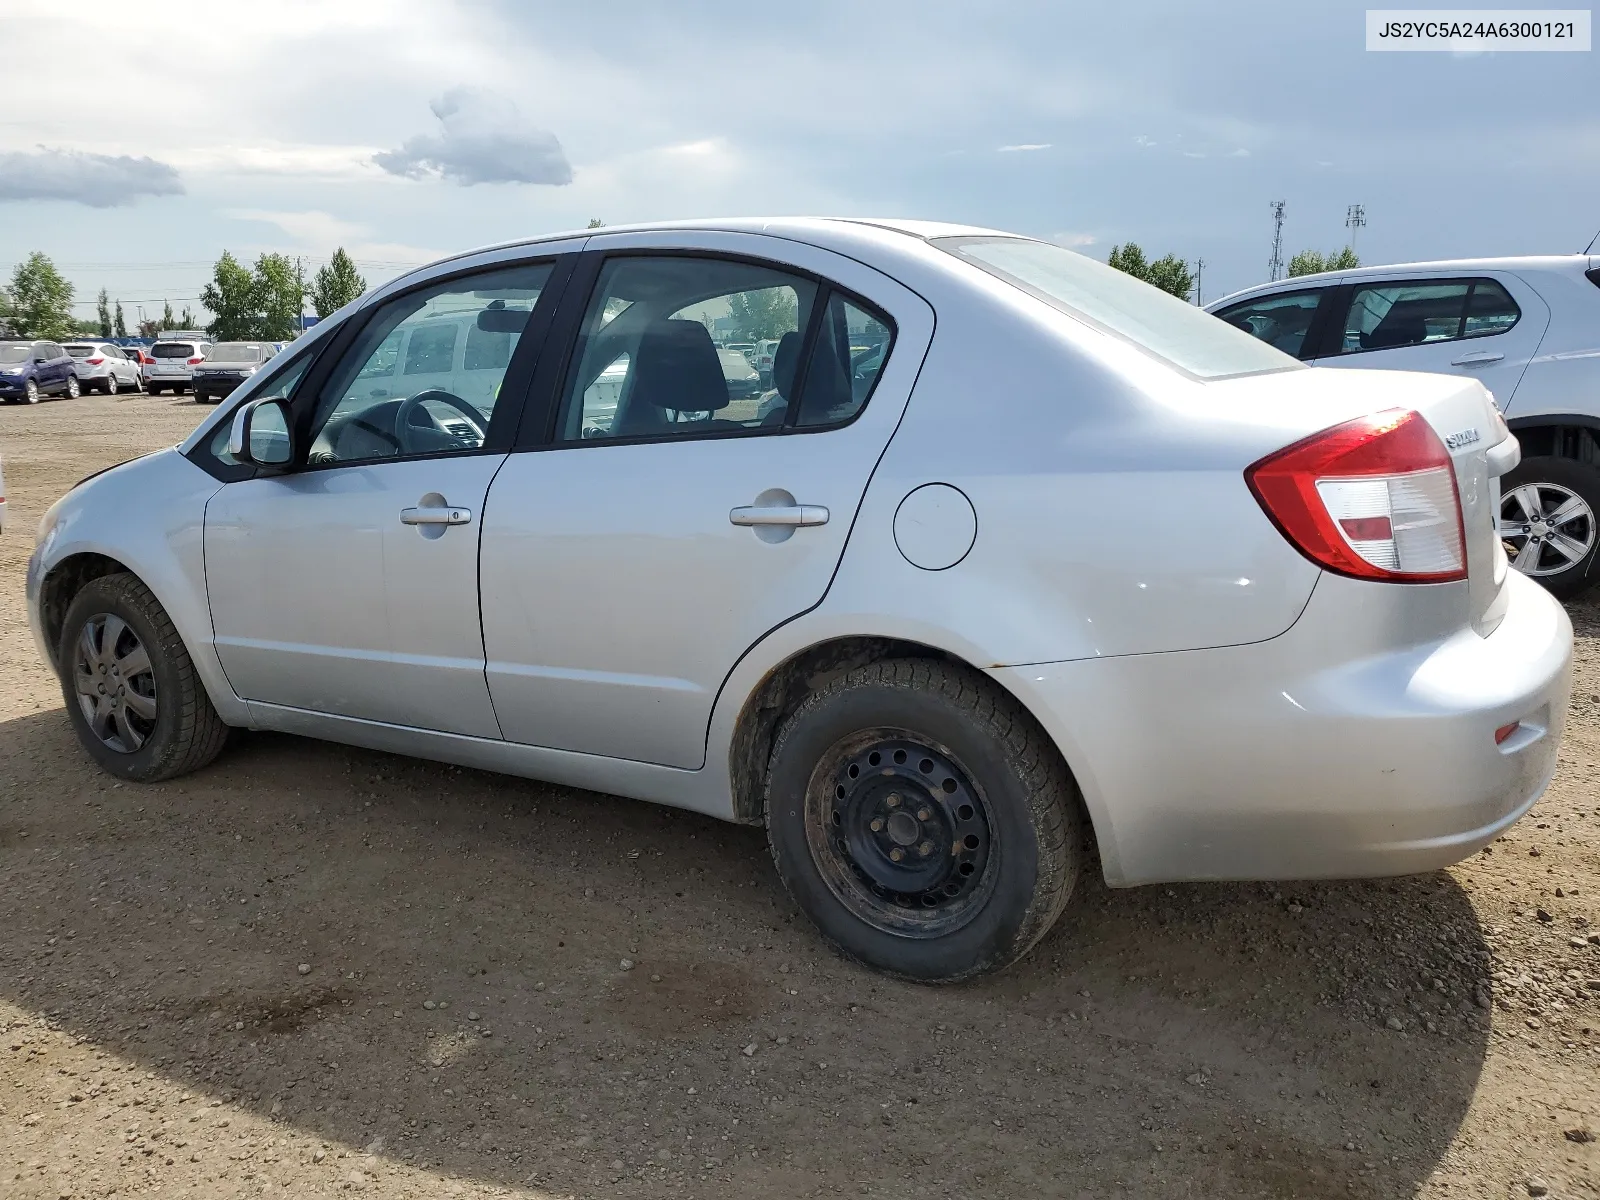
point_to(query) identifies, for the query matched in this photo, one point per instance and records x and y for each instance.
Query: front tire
(1548, 510)
(132, 692)
(30, 391)
(74, 389)
(923, 820)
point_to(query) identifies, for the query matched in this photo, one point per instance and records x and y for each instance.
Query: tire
(1542, 487)
(73, 388)
(30, 391)
(937, 765)
(111, 384)
(181, 389)
(174, 730)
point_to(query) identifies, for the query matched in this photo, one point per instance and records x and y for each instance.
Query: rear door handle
(435, 516)
(790, 515)
(1476, 360)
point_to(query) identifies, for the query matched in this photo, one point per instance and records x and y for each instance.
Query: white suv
(172, 360)
(1528, 328)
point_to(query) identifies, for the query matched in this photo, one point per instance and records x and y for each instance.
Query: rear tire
(74, 389)
(1557, 501)
(110, 387)
(133, 695)
(923, 820)
(181, 389)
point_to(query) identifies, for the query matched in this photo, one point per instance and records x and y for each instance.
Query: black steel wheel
(132, 692)
(922, 819)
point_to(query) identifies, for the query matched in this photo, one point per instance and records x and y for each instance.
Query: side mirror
(261, 434)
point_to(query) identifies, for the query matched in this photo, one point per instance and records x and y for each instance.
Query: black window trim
(1334, 330)
(539, 429)
(1320, 316)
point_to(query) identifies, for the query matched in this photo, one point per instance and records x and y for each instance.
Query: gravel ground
(310, 969)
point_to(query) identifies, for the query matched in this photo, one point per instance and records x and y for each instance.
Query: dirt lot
(311, 969)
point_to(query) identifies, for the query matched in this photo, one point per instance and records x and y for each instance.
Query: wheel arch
(62, 584)
(1559, 435)
(784, 685)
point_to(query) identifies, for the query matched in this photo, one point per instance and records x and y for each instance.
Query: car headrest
(785, 359)
(678, 369)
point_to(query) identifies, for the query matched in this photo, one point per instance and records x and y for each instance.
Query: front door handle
(792, 516)
(450, 515)
(1476, 360)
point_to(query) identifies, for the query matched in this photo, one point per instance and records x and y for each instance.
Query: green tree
(279, 297)
(88, 328)
(596, 223)
(119, 323)
(769, 313)
(1130, 259)
(103, 311)
(231, 297)
(336, 284)
(1171, 274)
(168, 320)
(40, 300)
(1313, 262)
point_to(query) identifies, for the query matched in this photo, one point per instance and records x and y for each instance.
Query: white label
(1481, 29)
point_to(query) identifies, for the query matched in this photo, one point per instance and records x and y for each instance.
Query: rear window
(245, 352)
(80, 351)
(1170, 329)
(172, 350)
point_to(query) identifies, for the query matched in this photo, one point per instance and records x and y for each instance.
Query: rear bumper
(1265, 762)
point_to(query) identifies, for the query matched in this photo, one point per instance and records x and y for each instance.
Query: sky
(134, 151)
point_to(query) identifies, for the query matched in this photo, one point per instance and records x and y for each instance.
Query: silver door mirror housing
(261, 433)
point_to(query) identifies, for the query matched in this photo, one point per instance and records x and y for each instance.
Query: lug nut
(877, 824)
(897, 854)
(894, 800)
(923, 814)
(925, 849)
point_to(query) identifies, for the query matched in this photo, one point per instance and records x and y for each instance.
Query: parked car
(880, 620)
(762, 359)
(740, 377)
(169, 365)
(103, 367)
(31, 370)
(227, 365)
(1524, 327)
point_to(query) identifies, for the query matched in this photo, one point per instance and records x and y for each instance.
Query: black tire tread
(200, 734)
(1057, 808)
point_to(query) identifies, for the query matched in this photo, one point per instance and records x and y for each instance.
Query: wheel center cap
(903, 828)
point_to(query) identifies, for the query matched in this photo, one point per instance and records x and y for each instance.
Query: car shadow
(528, 985)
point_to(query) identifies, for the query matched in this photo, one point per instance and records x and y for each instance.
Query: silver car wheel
(73, 389)
(111, 383)
(115, 683)
(31, 391)
(1546, 528)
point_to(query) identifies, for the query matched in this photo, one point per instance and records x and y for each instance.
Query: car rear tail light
(94, 362)
(1374, 498)
(196, 361)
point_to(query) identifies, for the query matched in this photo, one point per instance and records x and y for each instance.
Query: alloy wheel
(1546, 528)
(115, 683)
(31, 391)
(74, 390)
(111, 384)
(900, 834)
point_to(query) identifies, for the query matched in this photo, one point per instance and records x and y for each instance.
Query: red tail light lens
(1374, 498)
(94, 362)
(196, 361)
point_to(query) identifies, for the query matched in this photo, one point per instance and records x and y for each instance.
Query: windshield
(1171, 329)
(13, 354)
(237, 352)
(172, 350)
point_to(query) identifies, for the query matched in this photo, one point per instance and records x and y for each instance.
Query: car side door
(348, 585)
(1484, 324)
(651, 527)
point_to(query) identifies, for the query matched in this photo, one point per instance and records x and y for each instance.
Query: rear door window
(1391, 314)
(1282, 320)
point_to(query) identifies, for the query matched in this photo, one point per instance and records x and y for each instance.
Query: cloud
(484, 140)
(1024, 146)
(98, 180)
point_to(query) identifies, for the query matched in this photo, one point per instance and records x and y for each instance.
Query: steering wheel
(403, 429)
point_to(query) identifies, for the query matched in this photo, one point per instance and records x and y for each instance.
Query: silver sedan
(1020, 569)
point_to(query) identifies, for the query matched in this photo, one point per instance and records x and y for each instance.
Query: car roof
(1536, 263)
(829, 233)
